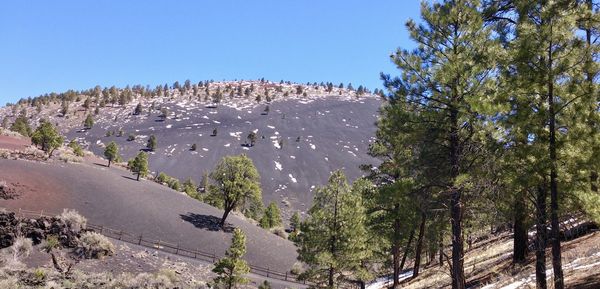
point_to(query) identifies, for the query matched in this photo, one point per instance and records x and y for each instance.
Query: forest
(491, 124)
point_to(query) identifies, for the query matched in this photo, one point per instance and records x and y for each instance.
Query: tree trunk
(330, 279)
(458, 275)
(225, 214)
(441, 248)
(540, 251)
(410, 238)
(138, 176)
(396, 249)
(554, 233)
(590, 79)
(419, 246)
(520, 238)
(109, 163)
(333, 248)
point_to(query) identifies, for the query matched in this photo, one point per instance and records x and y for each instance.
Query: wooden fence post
(158, 245)
(177, 250)
(121, 235)
(214, 256)
(41, 213)
(267, 271)
(140, 240)
(285, 275)
(101, 229)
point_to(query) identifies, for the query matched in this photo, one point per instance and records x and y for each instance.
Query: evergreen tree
(88, 123)
(47, 137)
(442, 83)
(271, 217)
(231, 269)
(235, 185)
(64, 108)
(21, 125)
(544, 92)
(111, 152)
(252, 138)
(151, 145)
(138, 109)
(77, 150)
(139, 165)
(332, 238)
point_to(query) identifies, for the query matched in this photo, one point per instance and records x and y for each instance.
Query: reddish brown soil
(13, 143)
(34, 190)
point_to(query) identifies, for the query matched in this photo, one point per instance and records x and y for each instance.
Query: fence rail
(167, 247)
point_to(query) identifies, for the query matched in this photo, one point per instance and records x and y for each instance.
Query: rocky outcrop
(36, 229)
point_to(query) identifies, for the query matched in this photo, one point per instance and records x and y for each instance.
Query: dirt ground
(13, 143)
(113, 198)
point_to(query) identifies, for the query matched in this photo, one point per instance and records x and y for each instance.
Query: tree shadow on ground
(206, 222)
(130, 178)
(101, 165)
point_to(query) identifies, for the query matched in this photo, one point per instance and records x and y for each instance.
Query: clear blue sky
(50, 46)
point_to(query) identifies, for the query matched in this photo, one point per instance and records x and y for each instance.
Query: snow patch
(278, 166)
(292, 178)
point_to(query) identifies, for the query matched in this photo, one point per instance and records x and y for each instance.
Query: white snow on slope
(278, 166)
(292, 178)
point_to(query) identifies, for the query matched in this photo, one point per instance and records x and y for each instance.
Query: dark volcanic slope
(111, 198)
(334, 134)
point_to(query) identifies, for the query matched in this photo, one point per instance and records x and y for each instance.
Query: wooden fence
(167, 247)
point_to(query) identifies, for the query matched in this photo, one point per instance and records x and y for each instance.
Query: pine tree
(271, 217)
(231, 269)
(139, 165)
(151, 145)
(442, 82)
(548, 58)
(235, 185)
(47, 137)
(21, 125)
(138, 109)
(111, 152)
(88, 123)
(332, 238)
(252, 138)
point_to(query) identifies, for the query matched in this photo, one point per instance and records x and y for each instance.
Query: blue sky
(50, 46)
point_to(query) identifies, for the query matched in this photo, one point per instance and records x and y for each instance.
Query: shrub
(175, 184)
(265, 285)
(94, 245)
(12, 256)
(73, 220)
(297, 269)
(279, 232)
(50, 243)
(163, 178)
